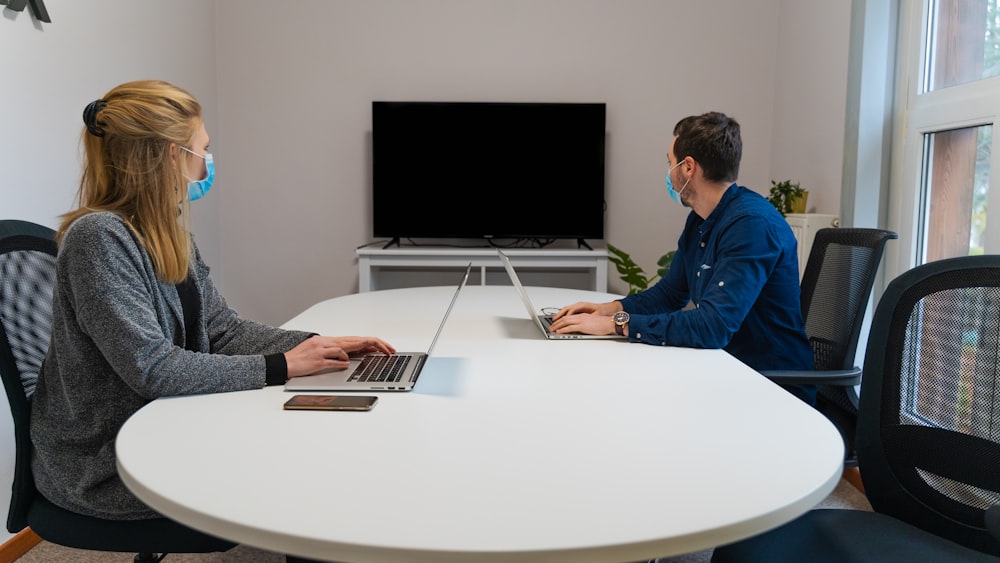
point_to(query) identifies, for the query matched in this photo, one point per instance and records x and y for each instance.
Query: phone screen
(331, 402)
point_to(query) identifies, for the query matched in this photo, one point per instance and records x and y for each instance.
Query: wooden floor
(18, 545)
(853, 476)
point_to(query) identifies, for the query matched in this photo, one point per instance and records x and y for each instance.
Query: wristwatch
(621, 319)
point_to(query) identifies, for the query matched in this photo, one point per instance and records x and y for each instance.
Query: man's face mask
(675, 195)
(198, 188)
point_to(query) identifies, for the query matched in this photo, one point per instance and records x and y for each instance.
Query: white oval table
(511, 447)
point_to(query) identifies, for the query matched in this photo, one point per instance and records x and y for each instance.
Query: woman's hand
(363, 344)
(325, 353)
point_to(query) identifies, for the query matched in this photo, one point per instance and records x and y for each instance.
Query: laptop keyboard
(381, 367)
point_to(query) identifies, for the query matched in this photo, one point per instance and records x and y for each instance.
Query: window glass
(956, 175)
(947, 100)
(963, 42)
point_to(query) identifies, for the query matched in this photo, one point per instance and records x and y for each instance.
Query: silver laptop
(377, 372)
(542, 320)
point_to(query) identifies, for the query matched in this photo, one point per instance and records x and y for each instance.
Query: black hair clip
(90, 117)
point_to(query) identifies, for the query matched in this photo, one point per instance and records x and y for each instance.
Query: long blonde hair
(129, 169)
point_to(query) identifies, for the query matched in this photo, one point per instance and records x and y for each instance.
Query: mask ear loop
(684, 187)
(203, 157)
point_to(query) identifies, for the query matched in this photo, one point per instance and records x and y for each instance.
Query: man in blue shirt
(734, 281)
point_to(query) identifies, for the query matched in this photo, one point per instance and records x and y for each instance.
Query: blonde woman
(135, 313)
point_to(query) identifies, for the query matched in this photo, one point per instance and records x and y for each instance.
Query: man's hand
(603, 309)
(584, 323)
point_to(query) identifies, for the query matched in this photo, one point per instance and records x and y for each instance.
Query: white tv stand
(373, 259)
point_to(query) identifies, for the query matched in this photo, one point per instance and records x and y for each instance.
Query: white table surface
(511, 447)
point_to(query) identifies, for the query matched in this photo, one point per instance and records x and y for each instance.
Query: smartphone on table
(330, 403)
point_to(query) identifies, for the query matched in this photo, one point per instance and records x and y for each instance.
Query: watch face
(621, 317)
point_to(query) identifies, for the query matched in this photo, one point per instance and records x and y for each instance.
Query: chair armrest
(839, 377)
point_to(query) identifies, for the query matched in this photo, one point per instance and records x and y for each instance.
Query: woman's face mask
(198, 188)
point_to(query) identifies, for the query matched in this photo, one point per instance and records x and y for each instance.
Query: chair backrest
(835, 289)
(928, 434)
(27, 275)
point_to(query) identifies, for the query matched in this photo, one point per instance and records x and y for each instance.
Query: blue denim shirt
(739, 270)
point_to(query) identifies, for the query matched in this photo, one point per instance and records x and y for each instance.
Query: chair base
(843, 416)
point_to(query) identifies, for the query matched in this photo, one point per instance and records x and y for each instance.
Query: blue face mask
(675, 195)
(198, 188)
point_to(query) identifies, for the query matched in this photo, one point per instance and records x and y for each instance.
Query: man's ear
(690, 166)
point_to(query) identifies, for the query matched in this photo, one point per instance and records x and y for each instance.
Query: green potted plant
(632, 274)
(787, 197)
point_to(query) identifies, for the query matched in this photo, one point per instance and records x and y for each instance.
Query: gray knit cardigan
(118, 342)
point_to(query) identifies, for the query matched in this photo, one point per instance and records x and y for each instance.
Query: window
(954, 185)
(947, 100)
(961, 43)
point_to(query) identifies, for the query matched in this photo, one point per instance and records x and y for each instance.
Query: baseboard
(18, 545)
(851, 475)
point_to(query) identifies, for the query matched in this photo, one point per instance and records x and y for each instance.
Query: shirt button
(703, 244)
(722, 284)
(698, 274)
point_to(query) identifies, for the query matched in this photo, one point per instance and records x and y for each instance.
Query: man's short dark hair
(712, 139)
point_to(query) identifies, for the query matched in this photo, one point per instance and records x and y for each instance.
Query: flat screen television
(488, 170)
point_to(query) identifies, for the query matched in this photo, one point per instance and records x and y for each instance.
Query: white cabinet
(429, 259)
(805, 225)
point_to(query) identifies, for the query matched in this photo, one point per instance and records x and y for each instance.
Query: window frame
(916, 114)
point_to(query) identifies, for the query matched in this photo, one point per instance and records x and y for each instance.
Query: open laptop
(377, 372)
(543, 321)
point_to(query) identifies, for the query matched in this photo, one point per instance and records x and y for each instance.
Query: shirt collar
(720, 209)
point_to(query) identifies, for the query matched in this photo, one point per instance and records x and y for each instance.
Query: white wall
(50, 72)
(810, 99)
(295, 88)
(287, 96)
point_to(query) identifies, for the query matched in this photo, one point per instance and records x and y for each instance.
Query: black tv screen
(487, 170)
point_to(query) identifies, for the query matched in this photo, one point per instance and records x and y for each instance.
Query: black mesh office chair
(835, 289)
(928, 431)
(27, 274)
